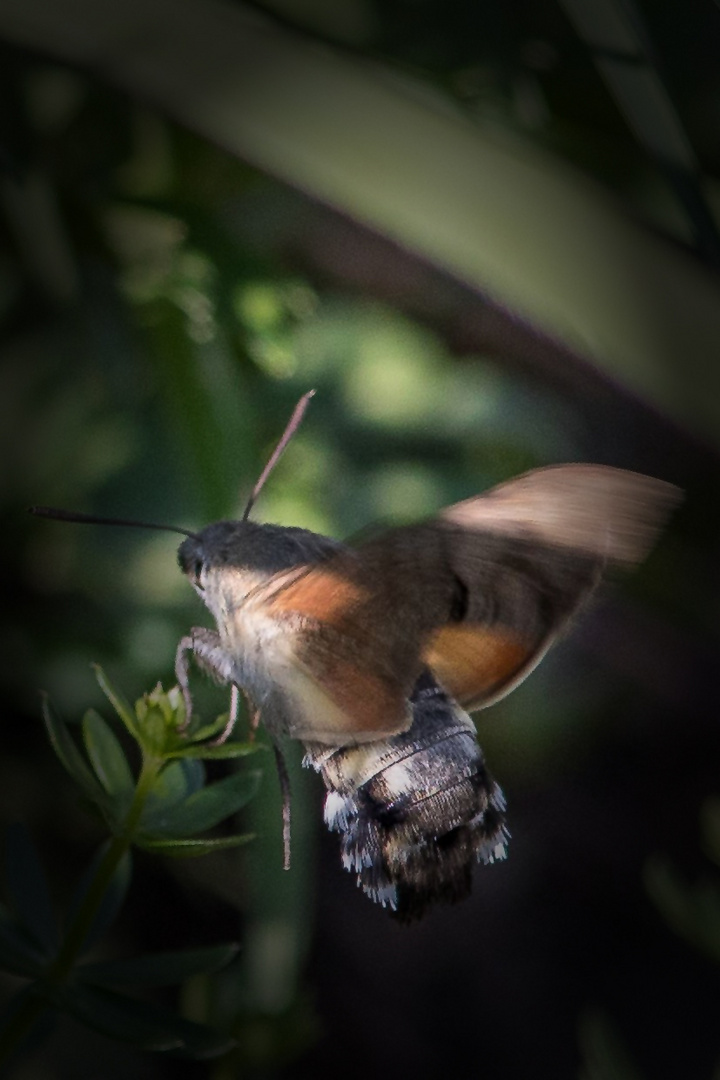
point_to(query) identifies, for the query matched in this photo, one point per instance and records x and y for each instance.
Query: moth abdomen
(415, 812)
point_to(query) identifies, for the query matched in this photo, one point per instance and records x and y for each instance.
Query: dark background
(163, 305)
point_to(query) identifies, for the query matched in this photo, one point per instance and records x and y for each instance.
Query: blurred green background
(174, 273)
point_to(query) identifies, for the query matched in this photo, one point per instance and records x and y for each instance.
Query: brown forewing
(478, 594)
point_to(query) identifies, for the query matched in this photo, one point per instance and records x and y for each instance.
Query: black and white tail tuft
(417, 811)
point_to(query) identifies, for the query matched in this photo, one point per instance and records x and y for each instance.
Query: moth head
(192, 561)
(247, 548)
(224, 546)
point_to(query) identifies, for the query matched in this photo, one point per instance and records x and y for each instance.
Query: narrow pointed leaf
(28, 890)
(159, 969)
(208, 731)
(176, 782)
(17, 953)
(142, 1023)
(210, 805)
(188, 849)
(66, 749)
(108, 759)
(207, 752)
(112, 900)
(118, 703)
(711, 828)
(11, 1015)
(605, 1056)
(692, 910)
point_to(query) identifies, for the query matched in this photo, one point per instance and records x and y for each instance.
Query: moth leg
(284, 780)
(254, 714)
(209, 654)
(181, 674)
(234, 703)
(232, 717)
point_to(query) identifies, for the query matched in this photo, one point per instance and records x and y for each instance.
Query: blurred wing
(479, 594)
(593, 509)
(479, 665)
(554, 531)
(340, 681)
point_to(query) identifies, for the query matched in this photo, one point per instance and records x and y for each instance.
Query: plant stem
(36, 1004)
(118, 847)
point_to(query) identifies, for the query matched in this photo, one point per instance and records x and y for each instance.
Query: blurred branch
(506, 219)
(615, 34)
(333, 250)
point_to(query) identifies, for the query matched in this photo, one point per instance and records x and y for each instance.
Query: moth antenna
(284, 778)
(293, 424)
(79, 518)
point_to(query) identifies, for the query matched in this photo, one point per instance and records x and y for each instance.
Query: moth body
(415, 810)
(373, 656)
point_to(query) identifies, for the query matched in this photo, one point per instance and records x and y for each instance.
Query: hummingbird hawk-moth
(374, 655)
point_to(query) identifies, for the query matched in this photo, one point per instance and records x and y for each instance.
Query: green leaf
(142, 1023)
(160, 969)
(108, 759)
(693, 911)
(208, 731)
(187, 849)
(118, 703)
(710, 820)
(173, 784)
(210, 805)
(208, 752)
(18, 955)
(28, 890)
(11, 1015)
(65, 748)
(605, 1056)
(112, 900)
(200, 404)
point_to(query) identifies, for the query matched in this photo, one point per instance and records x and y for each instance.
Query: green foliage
(160, 807)
(160, 969)
(604, 1053)
(691, 910)
(711, 828)
(113, 898)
